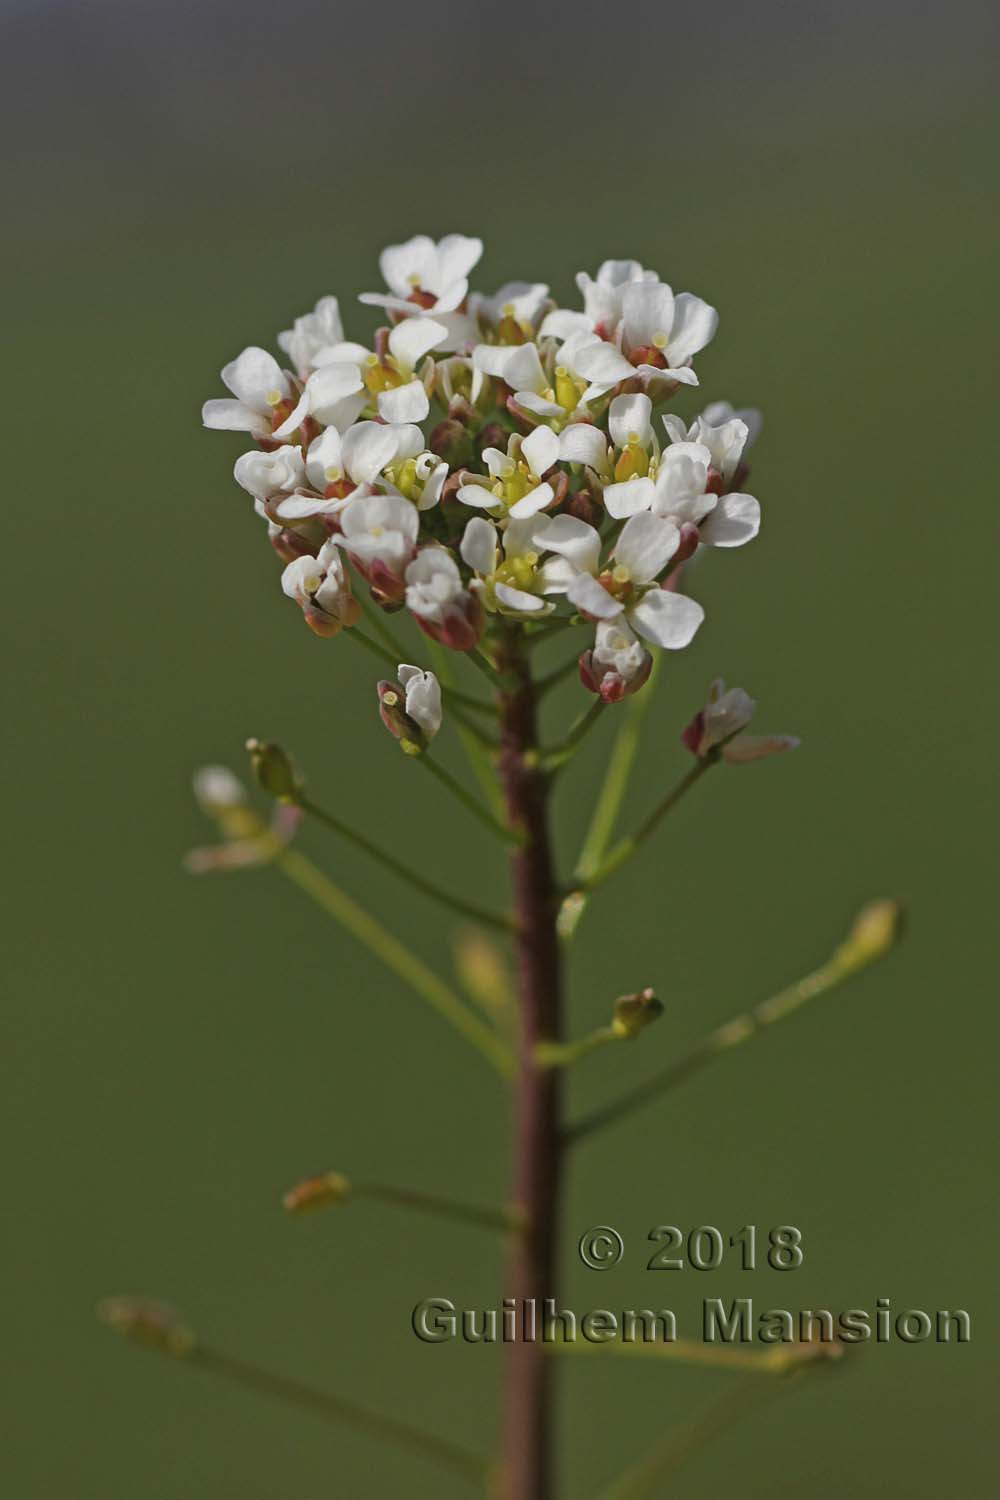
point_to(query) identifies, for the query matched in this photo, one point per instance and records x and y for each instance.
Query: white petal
(534, 501)
(539, 406)
(540, 450)
(256, 379)
(479, 545)
(694, 326)
(521, 602)
(479, 495)
(603, 364)
(562, 324)
(646, 545)
(367, 448)
(410, 340)
(325, 456)
(583, 443)
(340, 354)
(628, 420)
(677, 430)
(370, 514)
(423, 698)
(517, 365)
(589, 597)
(629, 497)
(300, 507)
(579, 543)
(647, 314)
(735, 520)
(404, 403)
(232, 416)
(667, 619)
(455, 257)
(398, 263)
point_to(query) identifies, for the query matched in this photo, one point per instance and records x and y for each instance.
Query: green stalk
(404, 872)
(392, 953)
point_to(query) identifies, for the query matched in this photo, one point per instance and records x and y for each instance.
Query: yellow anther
(508, 309)
(273, 398)
(633, 437)
(620, 573)
(332, 474)
(660, 340)
(390, 699)
(413, 279)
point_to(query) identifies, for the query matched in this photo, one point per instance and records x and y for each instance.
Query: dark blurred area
(181, 181)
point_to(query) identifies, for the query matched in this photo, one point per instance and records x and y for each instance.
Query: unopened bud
(633, 1013)
(877, 928)
(452, 441)
(150, 1323)
(274, 770)
(584, 507)
(317, 1192)
(483, 972)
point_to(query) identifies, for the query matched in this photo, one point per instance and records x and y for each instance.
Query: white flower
(312, 336)
(422, 698)
(333, 396)
(631, 431)
(506, 583)
(443, 608)
(402, 397)
(552, 399)
(725, 433)
(602, 301)
(369, 453)
(425, 278)
(321, 586)
(657, 337)
(627, 586)
(265, 475)
(720, 725)
(216, 789)
(514, 483)
(379, 535)
(259, 385)
(678, 490)
(520, 301)
(618, 664)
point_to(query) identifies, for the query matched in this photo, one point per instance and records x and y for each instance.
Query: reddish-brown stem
(528, 1437)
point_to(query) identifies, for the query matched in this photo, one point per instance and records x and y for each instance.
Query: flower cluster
(495, 456)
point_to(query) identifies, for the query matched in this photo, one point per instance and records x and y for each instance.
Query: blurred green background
(183, 180)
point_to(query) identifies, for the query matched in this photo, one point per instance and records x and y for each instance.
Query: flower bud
(150, 1323)
(876, 929)
(274, 770)
(584, 507)
(412, 711)
(317, 1192)
(633, 1013)
(452, 441)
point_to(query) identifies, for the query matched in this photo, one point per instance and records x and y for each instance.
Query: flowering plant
(500, 471)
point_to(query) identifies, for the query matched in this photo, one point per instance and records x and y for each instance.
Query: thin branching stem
(559, 755)
(395, 956)
(646, 1479)
(466, 798)
(403, 871)
(485, 1216)
(733, 1033)
(626, 847)
(339, 1409)
(612, 793)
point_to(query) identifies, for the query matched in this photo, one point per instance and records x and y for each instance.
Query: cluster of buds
(494, 455)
